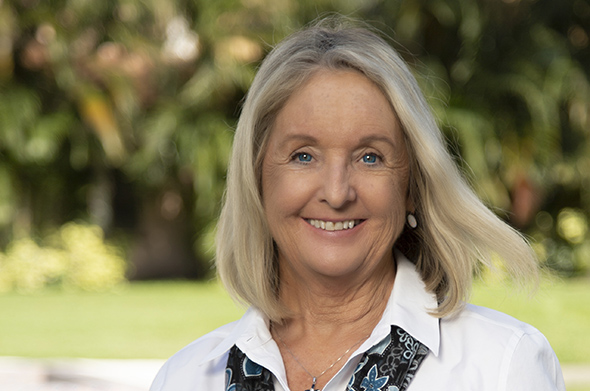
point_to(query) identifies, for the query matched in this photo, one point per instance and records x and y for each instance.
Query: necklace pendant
(313, 386)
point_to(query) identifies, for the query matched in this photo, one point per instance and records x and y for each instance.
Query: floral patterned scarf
(388, 366)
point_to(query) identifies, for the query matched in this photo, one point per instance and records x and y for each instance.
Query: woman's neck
(330, 306)
(330, 318)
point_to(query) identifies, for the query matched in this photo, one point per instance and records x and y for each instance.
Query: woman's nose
(338, 189)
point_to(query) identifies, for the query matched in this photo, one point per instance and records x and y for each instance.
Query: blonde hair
(456, 230)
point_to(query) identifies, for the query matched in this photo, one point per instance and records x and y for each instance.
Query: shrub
(76, 256)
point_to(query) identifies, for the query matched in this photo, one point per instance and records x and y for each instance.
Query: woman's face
(335, 177)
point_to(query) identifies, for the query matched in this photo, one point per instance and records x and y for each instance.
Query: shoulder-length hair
(456, 231)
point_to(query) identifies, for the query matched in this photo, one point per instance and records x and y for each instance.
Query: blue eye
(370, 158)
(303, 157)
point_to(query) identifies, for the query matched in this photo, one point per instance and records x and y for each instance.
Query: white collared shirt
(479, 349)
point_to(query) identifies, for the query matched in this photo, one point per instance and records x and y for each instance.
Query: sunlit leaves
(147, 92)
(76, 256)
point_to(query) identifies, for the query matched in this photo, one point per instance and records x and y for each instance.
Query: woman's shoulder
(478, 316)
(183, 370)
(494, 344)
(488, 326)
(204, 346)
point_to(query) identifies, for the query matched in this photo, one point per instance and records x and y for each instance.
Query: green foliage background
(120, 113)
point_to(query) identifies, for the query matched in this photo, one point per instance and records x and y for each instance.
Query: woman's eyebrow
(305, 138)
(378, 138)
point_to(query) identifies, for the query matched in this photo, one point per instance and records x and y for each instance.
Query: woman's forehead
(336, 100)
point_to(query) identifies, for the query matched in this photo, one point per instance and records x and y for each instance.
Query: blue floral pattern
(243, 374)
(371, 382)
(396, 358)
(390, 365)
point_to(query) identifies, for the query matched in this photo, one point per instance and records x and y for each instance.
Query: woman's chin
(340, 268)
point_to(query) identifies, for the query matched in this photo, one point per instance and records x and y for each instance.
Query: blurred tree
(120, 112)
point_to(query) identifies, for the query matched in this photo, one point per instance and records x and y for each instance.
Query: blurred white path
(22, 374)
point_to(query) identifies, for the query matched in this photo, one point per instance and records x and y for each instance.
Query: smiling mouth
(333, 226)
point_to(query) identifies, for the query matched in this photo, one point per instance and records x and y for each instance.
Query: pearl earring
(412, 222)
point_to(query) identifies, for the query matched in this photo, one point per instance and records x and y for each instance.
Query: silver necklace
(315, 378)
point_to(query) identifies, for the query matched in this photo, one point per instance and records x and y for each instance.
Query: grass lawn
(141, 320)
(559, 309)
(155, 319)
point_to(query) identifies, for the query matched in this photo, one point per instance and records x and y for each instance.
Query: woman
(351, 234)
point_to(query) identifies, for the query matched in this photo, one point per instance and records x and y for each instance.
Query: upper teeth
(332, 226)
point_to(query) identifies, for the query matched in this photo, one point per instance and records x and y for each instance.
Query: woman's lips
(333, 225)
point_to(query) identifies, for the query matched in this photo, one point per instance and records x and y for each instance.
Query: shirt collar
(252, 329)
(408, 307)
